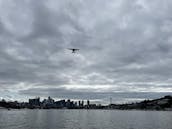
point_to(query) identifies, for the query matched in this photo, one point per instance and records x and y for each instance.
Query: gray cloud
(123, 44)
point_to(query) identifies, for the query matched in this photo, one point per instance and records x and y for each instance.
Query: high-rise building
(79, 103)
(68, 103)
(34, 102)
(48, 103)
(82, 104)
(88, 102)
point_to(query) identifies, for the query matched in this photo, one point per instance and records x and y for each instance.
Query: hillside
(164, 103)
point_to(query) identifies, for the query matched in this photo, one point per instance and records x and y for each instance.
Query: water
(84, 119)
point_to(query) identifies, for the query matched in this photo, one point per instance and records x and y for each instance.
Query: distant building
(48, 103)
(93, 106)
(88, 102)
(75, 104)
(79, 103)
(60, 104)
(34, 102)
(82, 104)
(68, 103)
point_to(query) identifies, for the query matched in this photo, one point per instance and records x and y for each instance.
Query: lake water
(84, 119)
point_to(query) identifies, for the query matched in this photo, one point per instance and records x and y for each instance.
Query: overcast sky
(125, 49)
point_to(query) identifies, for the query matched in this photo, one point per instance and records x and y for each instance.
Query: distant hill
(164, 103)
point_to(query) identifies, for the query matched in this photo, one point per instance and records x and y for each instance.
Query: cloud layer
(125, 48)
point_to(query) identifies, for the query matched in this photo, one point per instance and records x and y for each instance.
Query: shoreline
(9, 109)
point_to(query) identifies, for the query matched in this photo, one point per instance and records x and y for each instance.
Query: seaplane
(73, 50)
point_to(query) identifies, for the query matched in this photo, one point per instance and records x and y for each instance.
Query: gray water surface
(84, 119)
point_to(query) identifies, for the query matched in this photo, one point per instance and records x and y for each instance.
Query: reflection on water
(84, 119)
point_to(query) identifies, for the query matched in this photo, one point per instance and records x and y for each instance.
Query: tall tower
(88, 103)
(79, 103)
(82, 103)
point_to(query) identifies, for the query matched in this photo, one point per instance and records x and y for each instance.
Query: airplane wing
(73, 49)
(70, 48)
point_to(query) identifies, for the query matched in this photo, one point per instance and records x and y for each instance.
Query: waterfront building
(60, 104)
(88, 104)
(34, 102)
(82, 104)
(48, 103)
(79, 103)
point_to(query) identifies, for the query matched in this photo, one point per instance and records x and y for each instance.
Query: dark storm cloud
(123, 44)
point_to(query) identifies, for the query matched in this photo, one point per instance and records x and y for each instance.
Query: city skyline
(163, 103)
(125, 49)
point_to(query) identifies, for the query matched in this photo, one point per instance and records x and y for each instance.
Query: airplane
(73, 50)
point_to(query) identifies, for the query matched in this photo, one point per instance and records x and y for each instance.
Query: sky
(125, 49)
